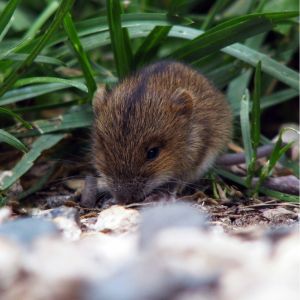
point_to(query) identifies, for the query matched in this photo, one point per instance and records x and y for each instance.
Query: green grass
(52, 58)
(255, 125)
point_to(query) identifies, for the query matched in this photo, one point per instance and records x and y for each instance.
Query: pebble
(5, 214)
(279, 213)
(10, 262)
(117, 220)
(26, 230)
(65, 218)
(165, 216)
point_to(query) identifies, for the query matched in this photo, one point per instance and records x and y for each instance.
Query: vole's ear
(182, 102)
(99, 99)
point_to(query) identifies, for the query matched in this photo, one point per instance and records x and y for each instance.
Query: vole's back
(168, 107)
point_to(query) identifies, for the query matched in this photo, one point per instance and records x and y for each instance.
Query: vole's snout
(127, 193)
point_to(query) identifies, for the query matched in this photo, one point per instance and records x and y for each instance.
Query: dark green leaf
(119, 38)
(10, 113)
(6, 137)
(271, 193)
(81, 55)
(215, 9)
(255, 116)
(255, 123)
(43, 17)
(229, 32)
(39, 59)
(64, 7)
(148, 48)
(7, 13)
(68, 121)
(245, 126)
(29, 92)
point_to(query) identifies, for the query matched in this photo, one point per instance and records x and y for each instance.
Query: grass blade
(7, 13)
(119, 38)
(131, 20)
(248, 55)
(279, 195)
(222, 75)
(255, 124)
(6, 29)
(64, 7)
(29, 92)
(236, 90)
(142, 28)
(255, 128)
(46, 106)
(229, 32)
(68, 82)
(278, 97)
(10, 113)
(273, 99)
(9, 139)
(42, 143)
(42, 19)
(81, 56)
(39, 59)
(245, 126)
(263, 190)
(219, 4)
(276, 154)
(68, 121)
(149, 47)
(269, 65)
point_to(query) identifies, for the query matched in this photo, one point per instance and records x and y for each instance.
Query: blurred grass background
(54, 54)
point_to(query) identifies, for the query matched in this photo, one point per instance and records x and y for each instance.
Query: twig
(239, 158)
(286, 184)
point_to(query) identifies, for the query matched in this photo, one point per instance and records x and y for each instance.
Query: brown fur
(167, 105)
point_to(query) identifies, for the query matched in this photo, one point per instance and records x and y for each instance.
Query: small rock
(148, 279)
(279, 213)
(164, 216)
(117, 219)
(109, 252)
(5, 213)
(26, 230)
(66, 219)
(10, 262)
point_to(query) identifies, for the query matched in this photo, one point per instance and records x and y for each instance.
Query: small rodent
(162, 126)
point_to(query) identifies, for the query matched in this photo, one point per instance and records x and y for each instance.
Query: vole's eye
(152, 153)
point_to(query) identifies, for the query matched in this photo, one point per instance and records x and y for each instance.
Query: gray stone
(66, 219)
(26, 230)
(164, 216)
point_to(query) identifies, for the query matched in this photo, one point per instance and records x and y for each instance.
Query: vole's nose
(128, 191)
(126, 196)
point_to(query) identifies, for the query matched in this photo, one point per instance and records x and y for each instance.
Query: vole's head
(140, 137)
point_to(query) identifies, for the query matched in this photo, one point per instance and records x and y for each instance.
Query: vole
(163, 126)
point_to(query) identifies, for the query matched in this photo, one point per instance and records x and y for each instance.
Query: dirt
(232, 214)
